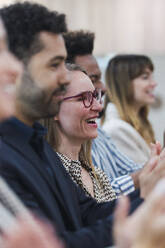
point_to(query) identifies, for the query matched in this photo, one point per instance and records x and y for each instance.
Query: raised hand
(145, 228)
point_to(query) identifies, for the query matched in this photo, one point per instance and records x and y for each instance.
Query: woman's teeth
(91, 120)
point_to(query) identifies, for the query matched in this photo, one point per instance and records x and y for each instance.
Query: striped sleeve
(123, 185)
(117, 166)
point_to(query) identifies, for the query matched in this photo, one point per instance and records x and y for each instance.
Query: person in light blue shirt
(118, 167)
(121, 171)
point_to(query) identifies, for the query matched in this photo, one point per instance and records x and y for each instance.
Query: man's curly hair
(24, 21)
(78, 43)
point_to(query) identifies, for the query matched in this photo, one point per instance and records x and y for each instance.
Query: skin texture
(10, 72)
(72, 118)
(90, 65)
(44, 81)
(143, 87)
(28, 234)
(72, 126)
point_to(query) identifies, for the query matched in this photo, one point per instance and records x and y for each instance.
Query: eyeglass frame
(82, 93)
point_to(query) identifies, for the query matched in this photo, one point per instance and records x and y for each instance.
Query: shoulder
(123, 133)
(116, 126)
(6, 151)
(112, 119)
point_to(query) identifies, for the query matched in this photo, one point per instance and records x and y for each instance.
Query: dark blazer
(78, 219)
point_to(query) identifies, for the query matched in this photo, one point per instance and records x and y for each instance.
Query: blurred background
(122, 26)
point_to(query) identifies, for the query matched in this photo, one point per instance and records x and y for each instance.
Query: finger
(121, 211)
(151, 164)
(159, 171)
(159, 147)
(162, 154)
(153, 148)
(120, 218)
(152, 207)
(155, 202)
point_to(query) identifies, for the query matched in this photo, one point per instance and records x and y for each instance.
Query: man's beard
(35, 102)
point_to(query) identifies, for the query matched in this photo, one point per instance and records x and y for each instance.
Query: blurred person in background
(130, 86)
(10, 72)
(80, 45)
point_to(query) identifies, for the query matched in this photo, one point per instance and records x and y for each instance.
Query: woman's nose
(154, 83)
(97, 105)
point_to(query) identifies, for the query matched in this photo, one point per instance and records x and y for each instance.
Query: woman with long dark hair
(130, 85)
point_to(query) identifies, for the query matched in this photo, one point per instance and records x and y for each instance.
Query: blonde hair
(120, 73)
(52, 138)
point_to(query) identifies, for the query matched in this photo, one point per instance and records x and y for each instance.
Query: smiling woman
(130, 85)
(71, 131)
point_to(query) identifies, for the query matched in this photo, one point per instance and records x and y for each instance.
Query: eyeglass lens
(88, 97)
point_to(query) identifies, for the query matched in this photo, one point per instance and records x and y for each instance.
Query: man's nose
(65, 77)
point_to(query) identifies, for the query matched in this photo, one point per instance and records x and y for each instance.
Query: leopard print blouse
(103, 191)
